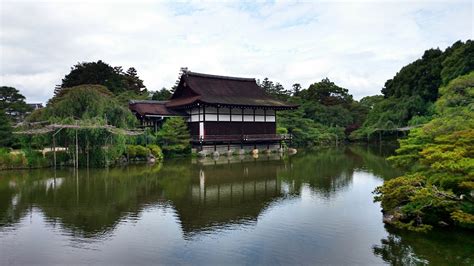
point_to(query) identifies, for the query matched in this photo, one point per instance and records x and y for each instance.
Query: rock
(215, 154)
(394, 216)
(443, 224)
(388, 218)
(151, 158)
(202, 153)
(123, 160)
(241, 152)
(255, 155)
(268, 151)
(292, 151)
(281, 150)
(230, 152)
(255, 151)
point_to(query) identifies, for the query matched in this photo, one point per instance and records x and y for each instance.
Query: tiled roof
(213, 89)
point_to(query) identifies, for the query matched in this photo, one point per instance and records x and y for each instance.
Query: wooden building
(218, 109)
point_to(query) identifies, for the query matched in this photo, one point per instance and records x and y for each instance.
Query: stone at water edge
(202, 153)
(255, 151)
(268, 151)
(215, 154)
(292, 151)
(281, 150)
(230, 152)
(151, 159)
(241, 152)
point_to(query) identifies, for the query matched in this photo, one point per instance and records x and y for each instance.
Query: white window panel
(211, 117)
(259, 118)
(224, 117)
(248, 118)
(270, 118)
(236, 118)
(201, 117)
(195, 118)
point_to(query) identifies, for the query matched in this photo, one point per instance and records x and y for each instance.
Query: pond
(310, 208)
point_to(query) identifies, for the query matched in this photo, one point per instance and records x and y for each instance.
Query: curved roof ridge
(196, 74)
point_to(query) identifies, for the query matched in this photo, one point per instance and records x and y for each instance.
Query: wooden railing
(241, 138)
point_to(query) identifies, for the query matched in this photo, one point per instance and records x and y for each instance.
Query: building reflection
(205, 194)
(225, 195)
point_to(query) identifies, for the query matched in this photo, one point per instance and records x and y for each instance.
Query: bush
(35, 159)
(138, 152)
(62, 157)
(12, 161)
(439, 155)
(174, 137)
(156, 151)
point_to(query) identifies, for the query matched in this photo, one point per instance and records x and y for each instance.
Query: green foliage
(62, 157)
(124, 97)
(138, 152)
(156, 151)
(100, 73)
(440, 157)
(274, 89)
(282, 130)
(12, 160)
(161, 95)
(35, 159)
(327, 93)
(327, 114)
(13, 104)
(174, 137)
(6, 137)
(86, 102)
(460, 61)
(409, 96)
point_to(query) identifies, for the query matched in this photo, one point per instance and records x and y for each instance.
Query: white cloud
(358, 45)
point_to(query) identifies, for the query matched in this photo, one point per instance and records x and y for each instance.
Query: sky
(356, 44)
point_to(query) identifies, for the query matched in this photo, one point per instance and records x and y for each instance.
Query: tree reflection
(435, 248)
(205, 196)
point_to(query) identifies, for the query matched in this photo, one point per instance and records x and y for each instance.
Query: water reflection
(207, 197)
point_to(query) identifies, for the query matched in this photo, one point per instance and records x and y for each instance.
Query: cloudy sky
(357, 44)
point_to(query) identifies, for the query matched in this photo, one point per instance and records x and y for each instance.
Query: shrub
(174, 137)
(35, 159)
(62, 157)
(156, 151)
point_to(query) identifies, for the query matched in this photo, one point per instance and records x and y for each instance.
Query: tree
(133, 82)
(88, 102)
(6, 138)
(100, 73)
(327, 93)
(161, 95)
(371, 101)
(274, 89)
(13, 103)
(459, 62)
(174, 137)
(410, 94)
(296, 89)
(438, 186)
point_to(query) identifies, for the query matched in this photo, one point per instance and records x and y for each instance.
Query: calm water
(311, 208)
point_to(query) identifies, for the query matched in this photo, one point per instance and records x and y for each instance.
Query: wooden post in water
(54, 151)
(77, 150)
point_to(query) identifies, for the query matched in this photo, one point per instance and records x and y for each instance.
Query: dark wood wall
(234, 128)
